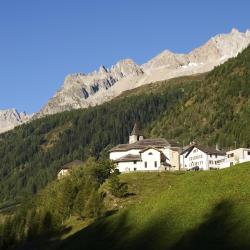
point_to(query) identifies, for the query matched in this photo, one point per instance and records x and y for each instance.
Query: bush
(117, 188)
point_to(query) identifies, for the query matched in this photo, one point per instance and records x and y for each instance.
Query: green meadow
(189, 210)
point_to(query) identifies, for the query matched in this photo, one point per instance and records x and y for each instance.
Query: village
(159, 154)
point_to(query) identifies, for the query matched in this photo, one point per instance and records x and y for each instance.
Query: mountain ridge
(82, 90)
(97, 87)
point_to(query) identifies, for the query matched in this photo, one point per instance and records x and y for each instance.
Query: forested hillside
(213, 108)
(218, 111)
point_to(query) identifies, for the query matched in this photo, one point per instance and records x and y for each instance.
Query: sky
(41, 42)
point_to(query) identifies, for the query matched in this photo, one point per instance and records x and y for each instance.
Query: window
(150, 153)
(134, 169)
(155, 164)
(134, 162)
(248, 152)
(145, 164)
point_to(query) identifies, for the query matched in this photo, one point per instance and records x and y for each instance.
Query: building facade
(236, 156)
(197, 157)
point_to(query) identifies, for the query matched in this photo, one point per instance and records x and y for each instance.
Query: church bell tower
(135, 135)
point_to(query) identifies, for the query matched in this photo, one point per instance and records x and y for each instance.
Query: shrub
(117, 188)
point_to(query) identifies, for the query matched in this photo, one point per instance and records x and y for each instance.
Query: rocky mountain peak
(10, 118)
(124, 68)
(166, 59)
(235, 31)
(102, 69)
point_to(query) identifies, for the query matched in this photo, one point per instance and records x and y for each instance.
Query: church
(142, 154)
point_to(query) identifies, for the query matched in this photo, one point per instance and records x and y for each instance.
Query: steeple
(136, 130)
(136, 134)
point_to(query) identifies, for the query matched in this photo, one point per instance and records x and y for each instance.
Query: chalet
(236, 156)
(199, 157)
(142, 154)
(66, 169)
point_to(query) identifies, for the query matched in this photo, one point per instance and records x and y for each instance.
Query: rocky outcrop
(78, 89)
(83, 90)
(11, 118)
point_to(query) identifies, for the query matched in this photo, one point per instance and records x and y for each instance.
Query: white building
(66, 169)
(146, 154)
(236, 156)
(198, 157)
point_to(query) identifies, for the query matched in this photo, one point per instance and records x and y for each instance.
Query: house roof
(207, 150)
(71, 165)
(128, 158)
(150, 147)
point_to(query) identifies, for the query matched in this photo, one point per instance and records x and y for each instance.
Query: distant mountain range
(11, 118)
(83, 90)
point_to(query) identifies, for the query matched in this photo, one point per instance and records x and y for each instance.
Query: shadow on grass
(116, 234)
(102, 234)
(129, 194)
(219, 231)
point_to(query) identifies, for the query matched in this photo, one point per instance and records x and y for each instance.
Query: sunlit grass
(173, 210)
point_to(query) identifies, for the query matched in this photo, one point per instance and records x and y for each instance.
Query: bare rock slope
(83, 90)
(11, 118)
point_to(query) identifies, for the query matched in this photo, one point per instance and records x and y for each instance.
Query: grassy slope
(192, 210)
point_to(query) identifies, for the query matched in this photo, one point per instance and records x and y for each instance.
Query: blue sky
(43, 41)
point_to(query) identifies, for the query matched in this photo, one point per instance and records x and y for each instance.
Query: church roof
(136, 130)
(128, 158)
(156, 143)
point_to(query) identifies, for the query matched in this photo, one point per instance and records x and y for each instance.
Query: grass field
(191, 210)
